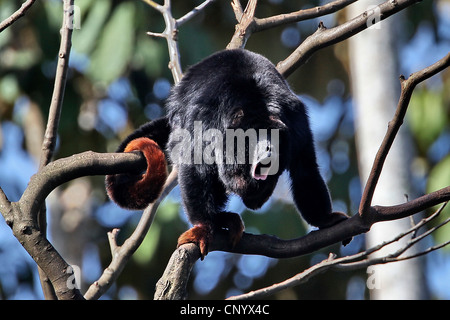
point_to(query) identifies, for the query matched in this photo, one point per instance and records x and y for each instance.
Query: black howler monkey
(233, 93)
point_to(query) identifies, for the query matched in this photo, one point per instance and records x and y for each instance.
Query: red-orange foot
(201, 235)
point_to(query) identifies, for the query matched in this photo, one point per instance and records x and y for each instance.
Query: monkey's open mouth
(260, 171)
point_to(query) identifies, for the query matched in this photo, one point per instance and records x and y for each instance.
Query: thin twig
(16, 15)
(170, 34)
(194, 12)
(59, 86)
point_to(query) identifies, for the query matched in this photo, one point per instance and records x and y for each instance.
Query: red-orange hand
(201, 235)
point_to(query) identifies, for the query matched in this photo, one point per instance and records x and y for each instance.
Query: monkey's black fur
(238, 89)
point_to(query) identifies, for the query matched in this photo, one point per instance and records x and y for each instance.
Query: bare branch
(324, 37)
(274, 247)
(244, 27)
(407, 88)
(291, 282)
(60, 84)
(356, 261)
(51, 132)
(301, 15)
(5, 207)
(16, 15)
(154, 5)
(170, 34)
(172, 284)
(237, 9)
(188, 16)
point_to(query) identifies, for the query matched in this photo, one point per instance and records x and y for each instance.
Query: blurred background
(118, 80)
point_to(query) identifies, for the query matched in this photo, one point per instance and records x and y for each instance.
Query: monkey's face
(251, 165)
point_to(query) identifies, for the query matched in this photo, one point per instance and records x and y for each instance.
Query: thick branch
(358, 260)
(79, 165)
(21, 217)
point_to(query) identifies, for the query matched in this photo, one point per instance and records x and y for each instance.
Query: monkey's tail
(137, 191)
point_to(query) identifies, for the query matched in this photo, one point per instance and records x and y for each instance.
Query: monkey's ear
(138, 191)
(277, 122)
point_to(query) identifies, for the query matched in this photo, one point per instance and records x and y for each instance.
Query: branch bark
(244, 28)
(249, 24)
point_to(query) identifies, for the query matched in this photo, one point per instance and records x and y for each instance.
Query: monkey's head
(253, 133)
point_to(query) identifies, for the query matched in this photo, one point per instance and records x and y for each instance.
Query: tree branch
(407, 88)
(245, 26)
(301, 15)
(324, 37)
(60, 84)
(16, 15)
(22, 219)
(49, 142)
(356, 261)
(194, 12)
(171, 32)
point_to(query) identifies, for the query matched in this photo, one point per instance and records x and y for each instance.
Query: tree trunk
(375, 85)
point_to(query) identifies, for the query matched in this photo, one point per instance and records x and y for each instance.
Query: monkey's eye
(237, 117)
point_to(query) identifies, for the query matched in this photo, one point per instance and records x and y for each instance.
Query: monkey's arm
(310, 192)
(204, 198)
